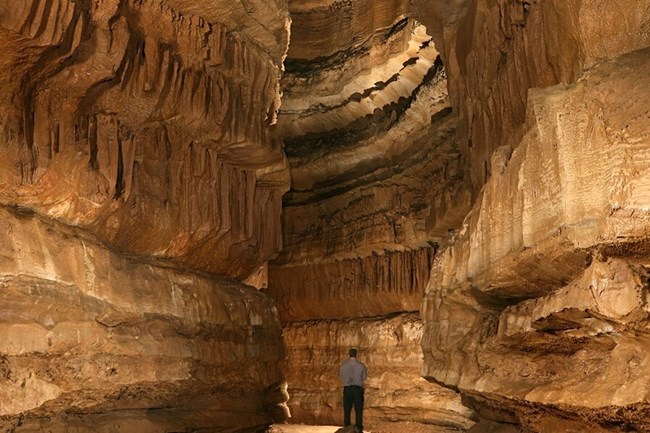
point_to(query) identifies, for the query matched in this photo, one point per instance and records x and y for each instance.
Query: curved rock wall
(494, 51)
(140, 179)
(376, 179)
(536, 311)
(336, 41)
(91, 339)
(394, 389)
(144, 109)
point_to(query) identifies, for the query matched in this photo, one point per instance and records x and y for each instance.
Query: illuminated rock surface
(202, 200)
(552, 280)
(140, 179)
(536, 308)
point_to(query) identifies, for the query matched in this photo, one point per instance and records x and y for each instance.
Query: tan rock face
(147, 146)
(494, 51)
(376, 178)
(537, 310)
(394, 389)
(336, 41)
(132, 120)
(139, 179)
(353, 225)
(92, 339)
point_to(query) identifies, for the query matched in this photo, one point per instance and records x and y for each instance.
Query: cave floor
(300, 428)
(375, 427)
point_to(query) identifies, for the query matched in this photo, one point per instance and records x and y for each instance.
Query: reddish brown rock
(132, 120)
(537, 309)
(91, 339)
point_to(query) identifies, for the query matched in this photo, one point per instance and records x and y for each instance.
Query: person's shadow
(348, 429)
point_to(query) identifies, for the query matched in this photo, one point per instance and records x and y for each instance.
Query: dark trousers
(353, 396)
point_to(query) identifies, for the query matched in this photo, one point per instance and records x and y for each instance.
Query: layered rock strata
(376, 178)
(355, 226)
(134, 120)
(394, 390)
(140, 179)
(494, 51)
(336, 41)
(94, 340)
(537, 310)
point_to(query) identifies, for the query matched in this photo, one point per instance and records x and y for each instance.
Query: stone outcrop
(536, 310)
(94, 340)
(494, 51)
(140, 182)
(132, 119)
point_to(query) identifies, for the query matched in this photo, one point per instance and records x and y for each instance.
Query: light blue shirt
(353, 372)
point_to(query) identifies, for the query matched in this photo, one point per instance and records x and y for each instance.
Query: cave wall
(145, 107)
(376, 178)
(94, 339)
(146, 155)
(495, 50)
(140, 183)
(395, 391)
(536, 308)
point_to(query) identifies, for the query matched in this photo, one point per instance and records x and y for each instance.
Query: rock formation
(92, 340)
(375, 177)
(204, 204)
(140, 180)
(394, 390)
(536, 308)
(541, 134)
(149, 95)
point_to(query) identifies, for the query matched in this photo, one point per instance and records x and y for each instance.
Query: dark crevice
(396, 28)
(343, 183)
(51, 61)
(119, 182)
(92, 142)
(305, 68)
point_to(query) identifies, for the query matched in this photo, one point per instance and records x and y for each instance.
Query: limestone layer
(93, 340)
(376, 179)
(537, 310)
(140, 179)
(495, 50)
(141, 120)
(375, 285)
(355, 225)
(334, 42)
(389, 346)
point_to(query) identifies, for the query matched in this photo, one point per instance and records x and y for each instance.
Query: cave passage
(204, 204)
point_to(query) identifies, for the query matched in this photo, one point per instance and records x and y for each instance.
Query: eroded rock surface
(494, 51)
(395, 391)
(146, 155)
(140, 179)
(537, 311)
(133, 120)
(376, 178)
(91, 339)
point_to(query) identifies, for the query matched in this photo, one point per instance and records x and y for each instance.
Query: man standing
(353, 374)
